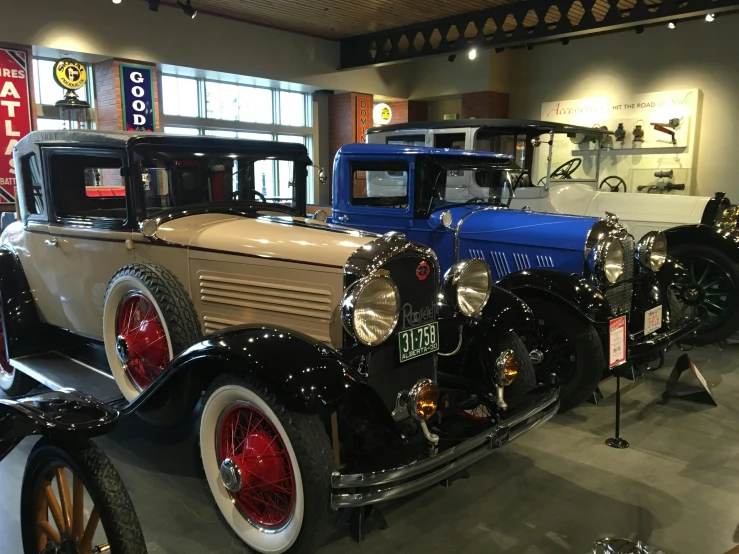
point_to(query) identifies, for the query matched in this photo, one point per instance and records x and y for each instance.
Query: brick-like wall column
(108, 95)
(340, 128)
(484, 104)
(405, 111)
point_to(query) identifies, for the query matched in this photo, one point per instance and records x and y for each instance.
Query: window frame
(88, 222)
(382, 165)
(41, 217)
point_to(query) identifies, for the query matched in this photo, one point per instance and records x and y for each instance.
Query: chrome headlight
(727, 218)
(606, 260)
(467, 286)
(370, 309)
(651, 250)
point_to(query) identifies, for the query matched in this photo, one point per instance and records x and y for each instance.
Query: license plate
(418, 341)
(652, 320)
(617, 341)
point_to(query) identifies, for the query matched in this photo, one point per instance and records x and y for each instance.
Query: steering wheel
(614, 188)
(256, 193)
(566, 170)
(476, 200)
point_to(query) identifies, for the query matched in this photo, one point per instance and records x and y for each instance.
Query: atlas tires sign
(15, 115)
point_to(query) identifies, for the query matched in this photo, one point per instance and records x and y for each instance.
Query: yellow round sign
(382, 114)
(70, 74)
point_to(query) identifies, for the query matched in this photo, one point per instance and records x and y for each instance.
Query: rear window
(380, 184)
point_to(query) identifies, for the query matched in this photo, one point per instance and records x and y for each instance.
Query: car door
(378, 198)
(90, 228)
(34, 244)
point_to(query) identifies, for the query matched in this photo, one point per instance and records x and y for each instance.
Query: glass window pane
(292, 108)
(255, 105)
(218, 133)
(212, 100)
(170, 100)
(46, 124)
(286, 168)
(256, 136)
(221, 101)
(179, 96)
(181, 130)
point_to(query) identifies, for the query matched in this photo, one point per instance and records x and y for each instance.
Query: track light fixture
(452, 58)
(529, 46)
(639, 29)
(116, 1)
(188, 9)
(472, 54)
(671, 25)
(710, 17)
(500, 50)
(154, 5)
(565, 41)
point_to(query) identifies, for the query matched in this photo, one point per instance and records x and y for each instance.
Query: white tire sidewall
(265, 542)
(122, 287)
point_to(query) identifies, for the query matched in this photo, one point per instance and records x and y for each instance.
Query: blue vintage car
(601, 299)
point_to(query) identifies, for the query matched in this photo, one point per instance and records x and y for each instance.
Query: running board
(57, 371)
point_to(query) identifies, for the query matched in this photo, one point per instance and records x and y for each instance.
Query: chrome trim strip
(459, 227)
(463, 456)
(383, 477)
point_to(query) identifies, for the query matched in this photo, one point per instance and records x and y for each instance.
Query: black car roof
(124, 139)
(502, 125)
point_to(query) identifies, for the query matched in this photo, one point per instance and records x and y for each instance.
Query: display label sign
(137, 96)
(617, 341)
(70, 74)
(363, 112)
(15, 115)
(652, 320)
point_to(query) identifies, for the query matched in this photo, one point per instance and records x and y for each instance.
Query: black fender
(56, 414)
(505, 312)
(569, 288)
(671, 273)
(21, 321)
(305, 375)
(704, 235)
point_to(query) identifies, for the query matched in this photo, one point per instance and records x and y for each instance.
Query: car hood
(278, 237)
(511, 226)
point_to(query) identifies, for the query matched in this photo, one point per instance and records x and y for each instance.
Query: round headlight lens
(371, 309)
(651, 250)
(467, 286)
(613, 260)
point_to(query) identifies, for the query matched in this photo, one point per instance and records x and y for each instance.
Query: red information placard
(617, 341)
(15, 115)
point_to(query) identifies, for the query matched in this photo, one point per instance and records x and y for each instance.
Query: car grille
(620, 295)
(385, 372)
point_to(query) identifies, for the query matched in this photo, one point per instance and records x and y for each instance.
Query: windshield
(215, 180)
(447, 182)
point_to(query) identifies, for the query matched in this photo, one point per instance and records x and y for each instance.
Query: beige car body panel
(282, 271)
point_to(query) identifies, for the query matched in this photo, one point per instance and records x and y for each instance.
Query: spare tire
(148, 319)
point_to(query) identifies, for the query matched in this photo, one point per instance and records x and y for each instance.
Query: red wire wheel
(265, 493)
(142, 344)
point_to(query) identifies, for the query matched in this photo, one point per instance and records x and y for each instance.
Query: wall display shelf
(632, 151)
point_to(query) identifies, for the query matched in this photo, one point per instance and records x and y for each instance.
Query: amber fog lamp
(508, 366)
(423, 399)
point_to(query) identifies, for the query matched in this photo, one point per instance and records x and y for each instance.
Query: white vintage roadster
(701, 231)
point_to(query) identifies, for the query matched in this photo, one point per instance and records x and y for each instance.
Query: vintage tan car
(151, 267)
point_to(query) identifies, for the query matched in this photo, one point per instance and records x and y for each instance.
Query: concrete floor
(556, 490)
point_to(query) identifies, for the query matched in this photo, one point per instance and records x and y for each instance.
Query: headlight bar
(651, 250)
(358, 318)
(462, 292)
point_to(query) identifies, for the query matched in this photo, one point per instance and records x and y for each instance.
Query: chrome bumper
(371, 488)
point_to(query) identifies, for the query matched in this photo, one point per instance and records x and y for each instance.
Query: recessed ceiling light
(472, 54)
(671, 25)
(710, 17)
(116, 1)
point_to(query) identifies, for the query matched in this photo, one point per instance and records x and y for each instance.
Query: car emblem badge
(423, 270)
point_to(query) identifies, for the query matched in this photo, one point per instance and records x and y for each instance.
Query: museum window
(47, 93)
(198, 106)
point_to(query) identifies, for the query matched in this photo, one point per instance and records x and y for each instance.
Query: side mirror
(442, 219)
(320, 215)
(536, 142)
(322, 176)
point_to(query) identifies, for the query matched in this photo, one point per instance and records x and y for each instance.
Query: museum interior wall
(695, 55)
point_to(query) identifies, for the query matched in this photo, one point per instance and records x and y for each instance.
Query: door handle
(52, 242)
(344, 218)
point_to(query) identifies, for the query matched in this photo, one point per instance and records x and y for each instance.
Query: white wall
(129, 30)
(694, 55)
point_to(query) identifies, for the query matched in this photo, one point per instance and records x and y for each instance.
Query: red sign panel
(617, 341)
(363, 112)
(15, 115)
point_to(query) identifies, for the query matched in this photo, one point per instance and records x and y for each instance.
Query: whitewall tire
(268, 469)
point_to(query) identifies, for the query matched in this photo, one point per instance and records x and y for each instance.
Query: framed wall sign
(15, 115)
(363, 114)
(137, 97)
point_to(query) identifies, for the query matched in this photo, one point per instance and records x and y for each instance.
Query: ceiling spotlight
(188, 9)
(472, 54)
(565, 41)
(500, 50)
(639, 29)
(154, 5)
(116, 1)
(671, 25)
(452, 57)
(529, 46)
(710, 17)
